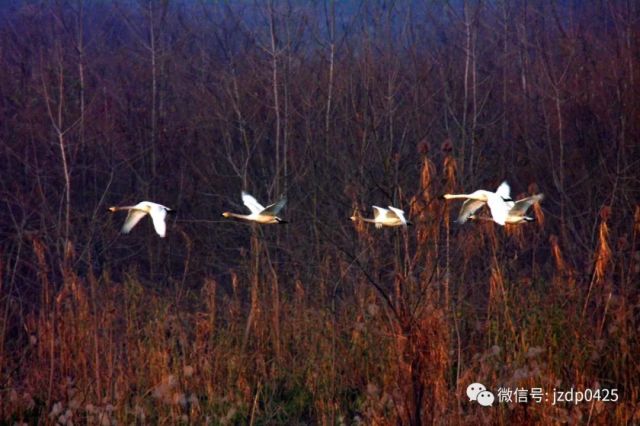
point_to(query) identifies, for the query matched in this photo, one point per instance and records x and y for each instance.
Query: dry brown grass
(103, 351)
(321, 321)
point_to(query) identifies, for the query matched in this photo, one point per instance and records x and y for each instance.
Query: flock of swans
(504, 210)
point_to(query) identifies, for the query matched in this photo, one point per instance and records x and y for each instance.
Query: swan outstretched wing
(377, 211)
(504, 191)
(158, 215)
(133, 217)
(468, 208)
(521, 206)
(251, 203)
(274, 209)
(397, 213)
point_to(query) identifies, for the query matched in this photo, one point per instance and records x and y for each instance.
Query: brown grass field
(338, 106)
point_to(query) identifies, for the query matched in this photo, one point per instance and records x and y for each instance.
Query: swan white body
(158, 213)
(259, 213)
(385, 217)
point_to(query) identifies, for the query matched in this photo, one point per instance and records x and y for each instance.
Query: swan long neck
(474, 196)
(236, 215)
(453, 196)
(118, 208)
(357, 217)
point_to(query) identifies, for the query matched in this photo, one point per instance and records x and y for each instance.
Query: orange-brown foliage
(323, 320)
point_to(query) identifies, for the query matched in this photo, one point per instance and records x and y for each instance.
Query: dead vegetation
(339, 106)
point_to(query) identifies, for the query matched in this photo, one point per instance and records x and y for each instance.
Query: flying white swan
(385, 217)
(497, 202)
(158, 212)
(259, 213)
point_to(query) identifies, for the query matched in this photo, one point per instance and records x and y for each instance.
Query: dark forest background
(337, 105)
